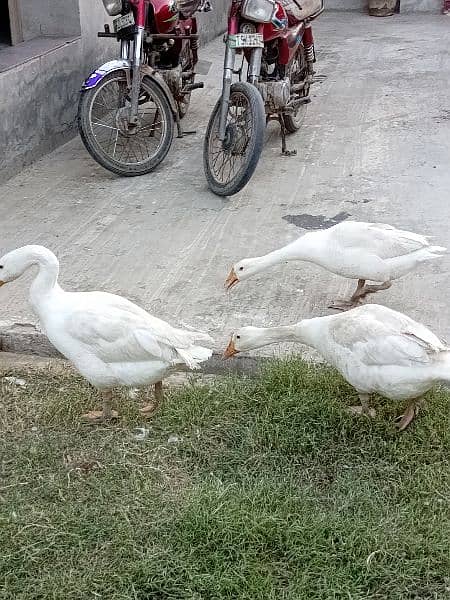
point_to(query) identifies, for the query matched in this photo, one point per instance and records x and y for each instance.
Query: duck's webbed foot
(344, 305)
(412, 410)
(101, 416)
(150, 408)
(363, 409)
(365, 290)
(362, 290)
(354, 301)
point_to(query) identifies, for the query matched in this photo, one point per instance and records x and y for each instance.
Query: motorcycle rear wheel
(297, 73)
(230, 164)
(123, 149)
(187, 64)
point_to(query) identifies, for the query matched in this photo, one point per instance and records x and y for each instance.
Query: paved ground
(375, 146)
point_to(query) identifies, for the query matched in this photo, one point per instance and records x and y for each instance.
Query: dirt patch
(306, 221)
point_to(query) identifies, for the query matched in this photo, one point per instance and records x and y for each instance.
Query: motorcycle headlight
(260, 11)
(113, 7)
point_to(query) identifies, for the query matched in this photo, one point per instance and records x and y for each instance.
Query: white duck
(362, 251)
(376, 349)
(111, 341)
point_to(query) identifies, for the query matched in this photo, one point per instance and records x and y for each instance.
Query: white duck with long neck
(376, 349)
(351, 249)
(111, 341)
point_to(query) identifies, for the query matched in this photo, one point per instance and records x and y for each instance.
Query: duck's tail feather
(194, 355)
(442, 368)
(437, 249)
(430, 253)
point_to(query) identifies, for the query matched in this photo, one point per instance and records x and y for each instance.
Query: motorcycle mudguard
(120, 65)
(96, 76)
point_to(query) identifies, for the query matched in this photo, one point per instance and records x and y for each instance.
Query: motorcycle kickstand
(284, 150)
(180, 131)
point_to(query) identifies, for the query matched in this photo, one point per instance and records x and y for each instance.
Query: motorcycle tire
(149, 89)
(252, 147)
(187, 64)
(293, 122)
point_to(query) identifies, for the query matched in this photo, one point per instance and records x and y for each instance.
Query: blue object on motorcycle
(96, 76)
(279, 23)
(93, 79)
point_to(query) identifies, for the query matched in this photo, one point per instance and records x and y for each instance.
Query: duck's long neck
(305, 248)
(285, 333)
(46, 281)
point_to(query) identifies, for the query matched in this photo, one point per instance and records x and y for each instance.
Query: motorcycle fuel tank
(166, 15)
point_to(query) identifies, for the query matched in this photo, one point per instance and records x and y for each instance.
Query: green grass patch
(257, 488)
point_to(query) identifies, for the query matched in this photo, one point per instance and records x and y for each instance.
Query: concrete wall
(213, 23)
(50, 18)
(406, 6)
(39, 98)
(95, 50)
(38, 101)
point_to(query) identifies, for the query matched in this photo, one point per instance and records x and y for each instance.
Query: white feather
(110, 340)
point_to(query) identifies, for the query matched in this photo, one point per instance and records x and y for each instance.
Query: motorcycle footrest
(192, 86)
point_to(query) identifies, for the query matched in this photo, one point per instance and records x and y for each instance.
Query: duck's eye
(1, 266)
(241, 268)
(238, 337)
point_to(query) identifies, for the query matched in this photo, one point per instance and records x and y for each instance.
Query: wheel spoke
(107, 126)
(115, 143)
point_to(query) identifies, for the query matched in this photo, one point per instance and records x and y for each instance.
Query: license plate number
(123, 21)
(246, 40)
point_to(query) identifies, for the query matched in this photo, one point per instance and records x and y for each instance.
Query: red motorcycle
(128, 107)
(276, 40)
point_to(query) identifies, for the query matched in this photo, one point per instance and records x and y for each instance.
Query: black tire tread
(257, 141)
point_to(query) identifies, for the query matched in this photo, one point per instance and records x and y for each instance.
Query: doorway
(5, 27)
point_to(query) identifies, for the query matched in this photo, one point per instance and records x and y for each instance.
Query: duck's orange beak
(231, 280)
(230, 350)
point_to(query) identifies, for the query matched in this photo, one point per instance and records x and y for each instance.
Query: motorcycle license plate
(123, 21)
(246, 40)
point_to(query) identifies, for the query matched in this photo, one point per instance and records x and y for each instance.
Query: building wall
(213, 23)
(38, 101)
(50, 18)
(39, 97)
(95, 50)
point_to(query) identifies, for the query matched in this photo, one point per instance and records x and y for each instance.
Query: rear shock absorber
(308, 44)
(194, 48)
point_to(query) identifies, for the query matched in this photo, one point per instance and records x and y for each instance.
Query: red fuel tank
(165, 13)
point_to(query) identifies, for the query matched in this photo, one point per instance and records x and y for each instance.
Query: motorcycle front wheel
(229, 164)
(122, 147)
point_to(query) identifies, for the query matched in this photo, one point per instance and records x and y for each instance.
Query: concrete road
(374, 146)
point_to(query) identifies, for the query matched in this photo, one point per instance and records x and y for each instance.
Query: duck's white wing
(380, 239)
(380, 336)
(117, 330)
